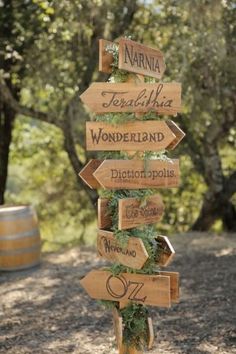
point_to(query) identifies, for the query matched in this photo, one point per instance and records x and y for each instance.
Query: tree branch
(9, 100)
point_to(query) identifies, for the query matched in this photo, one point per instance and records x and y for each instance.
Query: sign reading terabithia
(163, 98)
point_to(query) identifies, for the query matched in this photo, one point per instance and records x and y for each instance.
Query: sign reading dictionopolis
(133, 174)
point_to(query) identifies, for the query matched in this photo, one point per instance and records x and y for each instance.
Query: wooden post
(129, 350)
(134, 137)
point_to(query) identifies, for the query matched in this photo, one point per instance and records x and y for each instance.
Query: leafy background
(49, 56)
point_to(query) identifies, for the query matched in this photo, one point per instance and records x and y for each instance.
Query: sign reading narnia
(163, 98)
(138, 58)
(133, 174)
(139, 136)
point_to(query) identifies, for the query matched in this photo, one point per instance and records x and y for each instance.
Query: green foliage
(40, 175)
(135, 325)
(51, 52)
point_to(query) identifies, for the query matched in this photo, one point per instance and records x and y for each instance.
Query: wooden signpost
(134, 254)
(139, 136)
(163, 98)
(139, 286)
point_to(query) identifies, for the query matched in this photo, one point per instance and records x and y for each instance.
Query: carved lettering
(144, 61)
(114, 137)
(144, 98)
(111, 284)
(110, 247)
(131, 174)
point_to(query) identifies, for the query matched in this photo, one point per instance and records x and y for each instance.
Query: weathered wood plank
(140, 59)
(163, 98)
(174, 285)
(118, 327)
(132, 174)
(104, 219)
(105, 58)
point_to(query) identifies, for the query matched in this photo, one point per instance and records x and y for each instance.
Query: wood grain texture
(150, 333)
(174, 285)
(131, 213)
(86, 174)
(138, 136)
(140, 59)
(179, 134)
(104, 219)
(168, 252)
(132, 174)
(105, 58)
(129, 350)
(118, 327)
(133, 255)
(163, 98)
(145, 289)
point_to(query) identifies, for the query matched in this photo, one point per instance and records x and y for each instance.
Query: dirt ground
(45, 310)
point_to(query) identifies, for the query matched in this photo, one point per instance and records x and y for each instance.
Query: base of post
(130, 350)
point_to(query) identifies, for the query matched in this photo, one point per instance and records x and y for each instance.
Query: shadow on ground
(45, 310)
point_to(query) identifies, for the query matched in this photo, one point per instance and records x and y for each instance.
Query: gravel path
(45, 310)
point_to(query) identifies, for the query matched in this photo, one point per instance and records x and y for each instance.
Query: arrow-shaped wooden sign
(133, 255)
(163, 98)
(133, 57)
(139, 288)
(86, 174)
(140, 59)
(139, 136)
(132, 174)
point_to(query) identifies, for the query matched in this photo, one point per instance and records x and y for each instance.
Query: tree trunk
(7, 117)
(213, 208)
(70, 148)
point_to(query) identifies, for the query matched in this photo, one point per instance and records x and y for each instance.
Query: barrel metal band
(21, 250)
(31, 233)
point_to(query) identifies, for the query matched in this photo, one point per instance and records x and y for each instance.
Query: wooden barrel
(19, 238)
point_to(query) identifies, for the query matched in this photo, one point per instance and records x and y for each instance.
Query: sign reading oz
(145, 289)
